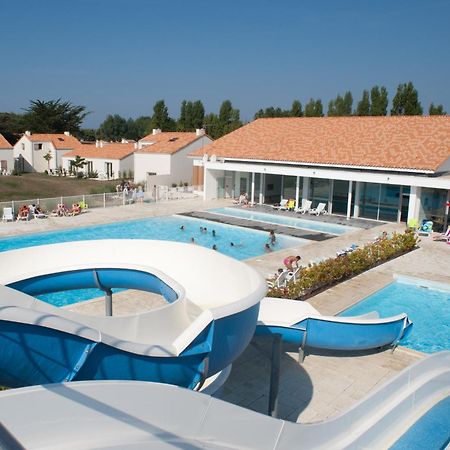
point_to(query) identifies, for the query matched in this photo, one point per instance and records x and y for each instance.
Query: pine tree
(161, 117)
(378, 101)
(314, 108)
(437, 110)
(198, 114)
(406, 101)
(296, 109)
(363, 107)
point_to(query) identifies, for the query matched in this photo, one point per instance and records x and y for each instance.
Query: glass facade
(433, 203)
(289, 185)
(379, 201)
(319, 191)
(340, 197)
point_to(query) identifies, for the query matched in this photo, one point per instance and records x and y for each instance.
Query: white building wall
(126, 164)
(8, 156)
(24, 147)
(153, 163)
(210, 184)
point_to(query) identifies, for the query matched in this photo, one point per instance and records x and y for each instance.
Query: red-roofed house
(162, 158)
(31, 149)
(109, 159)
(382, 168)
(6, 156)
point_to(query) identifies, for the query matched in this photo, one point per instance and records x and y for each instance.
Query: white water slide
(121, 414)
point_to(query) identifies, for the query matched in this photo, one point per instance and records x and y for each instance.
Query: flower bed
(327, 273)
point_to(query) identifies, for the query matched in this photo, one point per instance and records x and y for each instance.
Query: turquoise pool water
(427, 307)
(66, 298)
(284, 220)
(248, 243)
(431, 431)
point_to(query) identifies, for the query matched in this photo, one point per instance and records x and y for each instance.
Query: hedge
(318, 277)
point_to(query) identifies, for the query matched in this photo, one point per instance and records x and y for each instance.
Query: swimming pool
(247, 243)
(284, 220)
(427, 305)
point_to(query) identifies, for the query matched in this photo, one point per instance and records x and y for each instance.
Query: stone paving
(324, 385)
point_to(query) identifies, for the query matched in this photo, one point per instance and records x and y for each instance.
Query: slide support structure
(275, 375)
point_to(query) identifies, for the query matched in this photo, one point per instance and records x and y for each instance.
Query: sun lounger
(282, 205)
(443, 236)
(306, 206)
(8, 215)
(280, 281)
(290, 205)
(319, 210)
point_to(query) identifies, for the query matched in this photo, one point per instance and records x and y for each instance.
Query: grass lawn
(38, 185)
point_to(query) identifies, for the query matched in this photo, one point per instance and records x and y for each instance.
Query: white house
(162, 157)
(110, 159)
(6, 156)
(381, 168)
(31, 149)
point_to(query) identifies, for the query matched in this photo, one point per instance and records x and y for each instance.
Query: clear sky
(120, 56)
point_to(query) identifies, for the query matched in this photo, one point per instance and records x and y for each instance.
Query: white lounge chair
(306, 207)
(282, 205)
(319, 210)
(280, 281)
(8, 215)
(293, 276)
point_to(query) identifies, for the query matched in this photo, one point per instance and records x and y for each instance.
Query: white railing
(106, 199)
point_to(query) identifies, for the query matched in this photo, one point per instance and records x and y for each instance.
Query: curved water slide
(120, 414)
(301, 324)
(209, 319)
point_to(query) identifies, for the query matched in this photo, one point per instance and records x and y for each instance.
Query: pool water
(284, 220)
(427, 307)
(247, 243)
(65, 298)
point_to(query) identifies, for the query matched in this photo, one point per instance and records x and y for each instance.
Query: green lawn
(38, 185)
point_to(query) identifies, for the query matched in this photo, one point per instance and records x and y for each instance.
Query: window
(38, 146)
(23, 146)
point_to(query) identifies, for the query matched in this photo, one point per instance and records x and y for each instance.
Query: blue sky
(120, 56)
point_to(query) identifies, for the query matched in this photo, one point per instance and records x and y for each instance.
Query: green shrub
(327, 273)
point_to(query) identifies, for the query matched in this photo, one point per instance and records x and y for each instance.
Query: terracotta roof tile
(59, 141)
(413, 142)
(110, 150)
(4, 143)
(167, 142)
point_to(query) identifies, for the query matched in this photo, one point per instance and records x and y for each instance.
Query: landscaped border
(320, 276)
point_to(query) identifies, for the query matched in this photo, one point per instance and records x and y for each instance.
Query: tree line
(373, 102)
(57, 116)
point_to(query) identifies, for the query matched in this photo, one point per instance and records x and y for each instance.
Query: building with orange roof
(111, 160)
(162, 158)
(381, 168)
(30, 150)
(6, 156)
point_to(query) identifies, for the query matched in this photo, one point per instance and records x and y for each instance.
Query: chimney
(135, 145)
(96, 143)
(199, 131)
(124, 141)
(27, 133)
(101, 144)
(67, 133)
(156, 131)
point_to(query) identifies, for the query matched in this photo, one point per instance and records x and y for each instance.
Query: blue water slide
(299, 323)
(195, 335)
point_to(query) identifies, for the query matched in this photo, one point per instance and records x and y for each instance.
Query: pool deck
(324, 385)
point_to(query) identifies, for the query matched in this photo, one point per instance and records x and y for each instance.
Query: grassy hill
(37, 185)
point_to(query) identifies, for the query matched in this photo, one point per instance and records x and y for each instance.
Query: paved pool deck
(324, 385)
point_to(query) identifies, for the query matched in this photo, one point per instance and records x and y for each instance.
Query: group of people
(242, 200)
(29, 212)
(130, 191)
(61, 210)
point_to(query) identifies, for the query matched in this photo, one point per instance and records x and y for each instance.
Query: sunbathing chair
(306, 207)
(426, 228)
(8, 215)
(282, 205)
(319, 210)
(443, 236)
(293, 276)
(280, 281)
(290, 205)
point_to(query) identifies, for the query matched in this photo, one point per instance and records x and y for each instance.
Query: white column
(349, 199)
(357, 198)
(252, 198)
(414, 203)
(297, 192)
(330, 196)
(237, 184)
(204, 184)
(261, 187)
(305, 192)
(282, 187)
